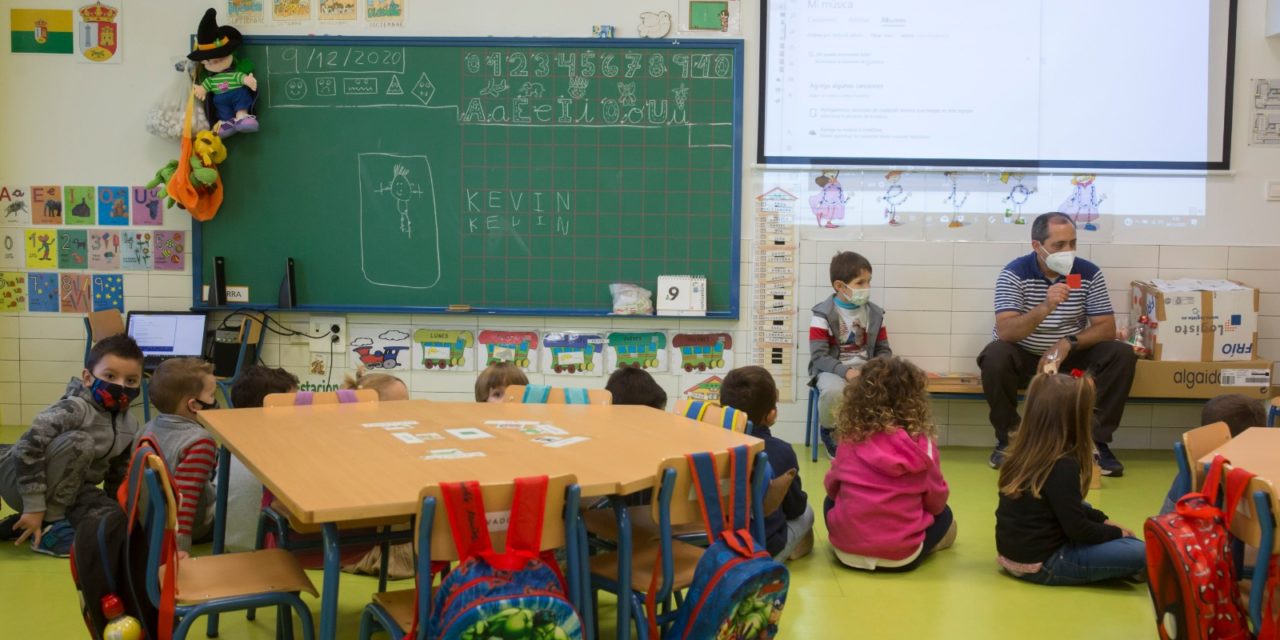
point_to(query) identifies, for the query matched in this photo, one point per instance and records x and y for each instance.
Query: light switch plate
(1273, 190)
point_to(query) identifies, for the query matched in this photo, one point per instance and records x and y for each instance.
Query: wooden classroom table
(326, 467)
(1257, 450)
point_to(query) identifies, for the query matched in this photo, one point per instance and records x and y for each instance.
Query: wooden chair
(1254, 524)
(1196, 444)
(716, 414)
(225, 582)
(394, 612)
(543, 394)
(674, 503)
(251, 337)
(99, 325)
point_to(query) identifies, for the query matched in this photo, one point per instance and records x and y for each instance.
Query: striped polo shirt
(1021, 286)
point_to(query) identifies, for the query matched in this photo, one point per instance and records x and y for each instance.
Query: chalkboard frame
(736, 45)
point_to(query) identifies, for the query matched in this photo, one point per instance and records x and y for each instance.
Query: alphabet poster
(11, 251)
(13, 205)
(74, 293)
(13, 291)
(73, 249)
(42, 248)
(113, 206)
(108, 291)
(135, 250)
(46, 204)
(104, 250)
(147, 208)
(169, 251)
(80, 203)
(42, 289)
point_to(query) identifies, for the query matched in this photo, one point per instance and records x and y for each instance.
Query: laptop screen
(168, 335)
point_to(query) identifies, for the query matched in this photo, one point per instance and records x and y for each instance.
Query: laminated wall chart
(775, 278)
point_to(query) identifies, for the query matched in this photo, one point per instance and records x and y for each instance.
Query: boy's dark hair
(177, 379)
(498, 375)
(750, 389)
(119, 345)
(1237, 410)
(630, 385)
(258, 382)
(847, 265)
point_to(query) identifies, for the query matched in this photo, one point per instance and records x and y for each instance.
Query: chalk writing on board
(399, 229)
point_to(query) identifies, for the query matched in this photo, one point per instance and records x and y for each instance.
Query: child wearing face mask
(846, 332)
(50, 476)
(181, 388)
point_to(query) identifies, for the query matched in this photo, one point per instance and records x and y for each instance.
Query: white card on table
(567, 441)
(391, 426)
(469, 433)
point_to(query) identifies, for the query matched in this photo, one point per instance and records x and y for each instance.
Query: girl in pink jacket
(886, 505)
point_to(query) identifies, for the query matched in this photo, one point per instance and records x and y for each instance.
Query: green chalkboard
(510, 176)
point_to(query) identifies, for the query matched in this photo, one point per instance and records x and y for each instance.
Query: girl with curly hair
(886, 505)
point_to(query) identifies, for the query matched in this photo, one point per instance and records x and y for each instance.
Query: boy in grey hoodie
(50, 476)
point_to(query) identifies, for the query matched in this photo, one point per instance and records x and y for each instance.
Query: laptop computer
(167, 334)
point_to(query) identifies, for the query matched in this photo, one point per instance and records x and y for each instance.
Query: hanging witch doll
(227, 79)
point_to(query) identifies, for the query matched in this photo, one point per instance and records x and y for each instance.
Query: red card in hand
(1073, 281)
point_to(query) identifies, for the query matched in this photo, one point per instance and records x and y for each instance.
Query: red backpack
(1190, 564)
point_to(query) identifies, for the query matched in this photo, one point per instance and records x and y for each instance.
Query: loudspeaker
(218, 290)
(288, 287)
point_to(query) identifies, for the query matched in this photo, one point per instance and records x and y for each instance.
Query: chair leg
(814, 425)
(184, 625)
(808, 422)
(385, 567)
(304, 617)
(284, 622)
(366, 624)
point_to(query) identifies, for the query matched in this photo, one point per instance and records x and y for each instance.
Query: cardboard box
(1196, 320)
(1170, 379)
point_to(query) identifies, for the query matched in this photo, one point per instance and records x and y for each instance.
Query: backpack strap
(464, 505)
(706, 483)
(303, 398)
(536, 394)
(129, 493)
(347, 395)
(739, 496)
(576, 395)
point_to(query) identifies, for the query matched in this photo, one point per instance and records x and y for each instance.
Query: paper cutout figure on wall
(1018, 196)
(379, 348)
(1082, 204)
(894, 196)
(828, 204)
(703, 351)
(640, 350)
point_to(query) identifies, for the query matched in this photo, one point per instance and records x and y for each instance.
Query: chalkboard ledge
(445, 311)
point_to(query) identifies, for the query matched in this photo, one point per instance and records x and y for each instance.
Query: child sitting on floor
(244, 492)
(886, 505)
(789, 528)
(1045, 532)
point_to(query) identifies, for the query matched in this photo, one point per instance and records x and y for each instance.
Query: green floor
(957, 594)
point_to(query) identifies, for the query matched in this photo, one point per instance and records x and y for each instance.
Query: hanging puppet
(227, 79)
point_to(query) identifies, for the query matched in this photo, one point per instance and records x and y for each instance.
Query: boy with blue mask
(50, 476)
(846, 331)
(181, 388)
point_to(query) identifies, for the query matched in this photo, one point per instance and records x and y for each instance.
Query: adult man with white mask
(1051, 302)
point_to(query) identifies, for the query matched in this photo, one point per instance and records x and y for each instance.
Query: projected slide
(1090, 83)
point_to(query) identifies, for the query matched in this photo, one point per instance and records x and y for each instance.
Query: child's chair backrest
(1199, 442)
(716, 414)
(685, 508)
(1246, 524)
(329, 397)
(543, 394)
(105, 323)
(498, 499)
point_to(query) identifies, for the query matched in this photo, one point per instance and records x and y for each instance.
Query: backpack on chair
(109, 555)
(500, 595)
(738, 590)
(1190, 565)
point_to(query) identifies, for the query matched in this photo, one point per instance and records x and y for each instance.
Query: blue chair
(394, 612)
(250, 353)
(633, 565)
(545, 394)
(1273, 412)
(1256, 528)
(812, 437)
(1181, 483)
(220, 583)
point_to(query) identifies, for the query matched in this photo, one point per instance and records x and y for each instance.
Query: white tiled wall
(937, 297)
